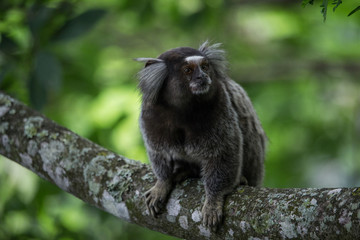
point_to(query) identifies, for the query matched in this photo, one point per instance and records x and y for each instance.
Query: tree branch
(116, 185)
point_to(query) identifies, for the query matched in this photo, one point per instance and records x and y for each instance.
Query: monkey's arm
(220, 176)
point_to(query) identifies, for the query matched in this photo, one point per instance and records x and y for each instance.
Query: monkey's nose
(201, 82)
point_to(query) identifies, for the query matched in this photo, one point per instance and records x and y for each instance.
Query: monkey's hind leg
(157, 195)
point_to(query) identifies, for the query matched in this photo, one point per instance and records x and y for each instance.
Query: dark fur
(216, 135)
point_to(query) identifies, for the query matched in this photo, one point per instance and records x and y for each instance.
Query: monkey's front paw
(212, 213)
(155, 198)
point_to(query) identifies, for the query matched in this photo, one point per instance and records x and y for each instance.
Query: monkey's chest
(179, 135)
(169, 136)
(175, 137)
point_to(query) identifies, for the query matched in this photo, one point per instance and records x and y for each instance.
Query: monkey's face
(189, 72)
(181, 75)
(195, 70)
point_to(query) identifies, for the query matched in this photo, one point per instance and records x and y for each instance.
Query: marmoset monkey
(196, 121)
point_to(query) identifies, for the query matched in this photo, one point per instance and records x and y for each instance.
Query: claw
(147, 200)
(157, 209)
(155, 196)
(212, 213)
(214, 220)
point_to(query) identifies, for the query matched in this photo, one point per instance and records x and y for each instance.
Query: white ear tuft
(148, 59)
(152, 77)
(216, 56)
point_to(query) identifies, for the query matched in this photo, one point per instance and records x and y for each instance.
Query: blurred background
(73, 61)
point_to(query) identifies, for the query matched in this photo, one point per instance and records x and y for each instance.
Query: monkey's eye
(205, 66)
(187, 70)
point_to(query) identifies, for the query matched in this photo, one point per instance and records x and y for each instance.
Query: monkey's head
(182, 74)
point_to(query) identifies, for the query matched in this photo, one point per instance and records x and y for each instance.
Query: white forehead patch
(194, 59)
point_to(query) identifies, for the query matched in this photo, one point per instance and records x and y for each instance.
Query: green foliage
(46, 75)
(354, 11)
(324, 6)
(78, 25)
(336, 3)
(306, 2)
(73, 60)
(27, 42)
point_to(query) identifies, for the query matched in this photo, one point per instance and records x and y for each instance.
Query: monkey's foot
(155, 198)
(212, 213)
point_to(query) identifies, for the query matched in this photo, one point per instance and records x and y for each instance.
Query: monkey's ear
(149, 61)
(151, 78)
(216, 56)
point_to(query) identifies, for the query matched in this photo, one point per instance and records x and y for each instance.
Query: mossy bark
(117, 184)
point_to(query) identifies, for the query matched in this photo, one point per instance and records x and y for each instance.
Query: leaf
(306, 2)
(336, 3)
(46, 77)
(354, 11)
(324, 6)
(4, 69)
(48, 70)
(79, 25)
(37, 92)
(38, 17)
(7, 45)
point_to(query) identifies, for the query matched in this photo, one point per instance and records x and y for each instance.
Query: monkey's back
(254, 138)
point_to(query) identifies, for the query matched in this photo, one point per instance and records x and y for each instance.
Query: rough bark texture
(116, 185)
